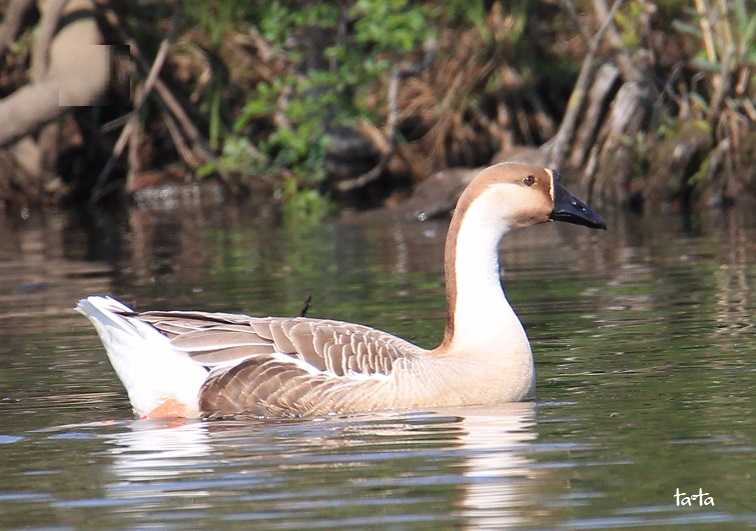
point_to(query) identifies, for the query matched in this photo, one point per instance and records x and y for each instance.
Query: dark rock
(349, 154)
(437, 195)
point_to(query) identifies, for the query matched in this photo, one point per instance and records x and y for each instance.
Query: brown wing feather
(262, 386)
(227, 355)
(215, 338)
(252, 376)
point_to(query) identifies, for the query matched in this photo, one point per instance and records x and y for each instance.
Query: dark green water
(645, 350)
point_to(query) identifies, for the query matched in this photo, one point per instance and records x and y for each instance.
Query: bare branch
(398, 73)
(130, 126)
(721, 88)
(166, 96)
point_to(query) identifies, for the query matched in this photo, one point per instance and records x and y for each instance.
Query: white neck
(483, 321)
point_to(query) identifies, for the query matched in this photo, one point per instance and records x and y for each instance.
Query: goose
(210, 365)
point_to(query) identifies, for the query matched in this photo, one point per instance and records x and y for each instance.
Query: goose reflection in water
(355, 470)
(495, 443)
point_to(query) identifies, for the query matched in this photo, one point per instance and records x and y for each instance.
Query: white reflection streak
(495, 441)
(154, 450)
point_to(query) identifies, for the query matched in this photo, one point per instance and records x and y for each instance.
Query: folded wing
(278, 365)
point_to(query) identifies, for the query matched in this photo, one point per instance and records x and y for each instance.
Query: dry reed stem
(440, 100)
(131, 125)
(706, 31)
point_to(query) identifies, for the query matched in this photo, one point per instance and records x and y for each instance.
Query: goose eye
(529, 180)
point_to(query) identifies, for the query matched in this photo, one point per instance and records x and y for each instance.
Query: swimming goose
(197, 364)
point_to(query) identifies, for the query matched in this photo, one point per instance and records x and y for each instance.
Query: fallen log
(78, 73)
(599, 97)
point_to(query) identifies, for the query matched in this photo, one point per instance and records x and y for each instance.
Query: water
(644, 343)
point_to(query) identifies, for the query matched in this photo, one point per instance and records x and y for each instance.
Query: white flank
(151, 370)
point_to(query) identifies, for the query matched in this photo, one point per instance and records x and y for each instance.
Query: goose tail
(160, 380)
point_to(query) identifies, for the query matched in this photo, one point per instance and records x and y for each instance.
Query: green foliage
(465, 12)
(278, 19)
(733, 33)
(215, 19)
(260, 104)
(393, 25)
(361, 43)
(629, 20)
(334, 55)
(238, 156)
(302, 206)
(326, 62)
(745, 29)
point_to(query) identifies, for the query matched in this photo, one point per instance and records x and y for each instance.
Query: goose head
(500, 198)
(513, 195)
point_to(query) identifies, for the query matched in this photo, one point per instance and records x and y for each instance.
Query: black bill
(569, 208)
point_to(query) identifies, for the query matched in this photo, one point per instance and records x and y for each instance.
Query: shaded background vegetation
(317, 104)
